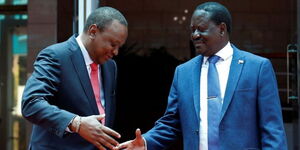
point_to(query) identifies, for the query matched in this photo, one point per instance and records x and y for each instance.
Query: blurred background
(159, 40)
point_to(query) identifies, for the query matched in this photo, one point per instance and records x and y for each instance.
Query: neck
(86, 43)
(224, 41)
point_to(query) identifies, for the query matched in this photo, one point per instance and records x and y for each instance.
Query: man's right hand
(137, 144)
(93, 131)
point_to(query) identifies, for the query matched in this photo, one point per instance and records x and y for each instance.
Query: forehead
(115, 27)
(116, 31)
(200, 17)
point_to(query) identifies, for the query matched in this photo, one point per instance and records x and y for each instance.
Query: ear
(92, 31)
(223, 28)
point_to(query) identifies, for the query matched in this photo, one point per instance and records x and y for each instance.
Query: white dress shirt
(223, 67)
(88, 61)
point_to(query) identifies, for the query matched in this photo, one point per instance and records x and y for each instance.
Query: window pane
(2, 17)
(13, 46)
(14, 2)
(20, 2)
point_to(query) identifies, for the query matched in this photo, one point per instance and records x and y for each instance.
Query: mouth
(198, 44)
(108, 57)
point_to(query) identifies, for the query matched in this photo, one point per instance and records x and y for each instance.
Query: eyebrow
(117, 42)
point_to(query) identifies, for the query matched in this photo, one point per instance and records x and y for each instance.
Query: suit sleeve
(40, 92)
(270, 116)
(167, 129)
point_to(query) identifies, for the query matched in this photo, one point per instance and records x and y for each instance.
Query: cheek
(210, 39)
(98, 50)
(104, 47)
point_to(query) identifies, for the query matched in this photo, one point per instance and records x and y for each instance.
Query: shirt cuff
(145, 142)
(68, 129)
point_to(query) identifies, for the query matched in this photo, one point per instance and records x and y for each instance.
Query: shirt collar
(86, 56)
(224, 54)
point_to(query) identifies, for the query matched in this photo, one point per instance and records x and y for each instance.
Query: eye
(113, 45)
(193, 29)
(201, 30)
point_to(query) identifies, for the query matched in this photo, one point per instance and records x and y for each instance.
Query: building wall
(42, 27)
(49, 22)
(259, 26)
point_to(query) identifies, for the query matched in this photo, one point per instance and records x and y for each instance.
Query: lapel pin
(241, 62)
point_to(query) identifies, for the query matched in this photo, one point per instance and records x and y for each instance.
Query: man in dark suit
(223, 99)
(73, 87)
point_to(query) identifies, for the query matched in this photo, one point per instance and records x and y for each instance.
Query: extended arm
(166, 129)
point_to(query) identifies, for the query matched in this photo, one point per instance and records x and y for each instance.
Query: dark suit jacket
(60, 88)
(251, 113)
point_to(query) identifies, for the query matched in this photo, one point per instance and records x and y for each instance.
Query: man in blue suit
(73, 86)
(249, 115)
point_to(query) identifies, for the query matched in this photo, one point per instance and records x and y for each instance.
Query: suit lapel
(196, 84)
(105, 86)
(80, 67)
(233, 78)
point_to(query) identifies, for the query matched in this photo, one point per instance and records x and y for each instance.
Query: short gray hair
(103, 16)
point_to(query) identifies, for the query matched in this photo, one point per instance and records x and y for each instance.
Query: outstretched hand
(136, 144)
(93, 131)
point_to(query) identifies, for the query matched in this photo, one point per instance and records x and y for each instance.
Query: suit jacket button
(197, 132)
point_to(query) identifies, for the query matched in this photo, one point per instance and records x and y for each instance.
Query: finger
(100, 117)
(106, 143)
(99, 146)
(102, 148)
(123, 145)
(110, 132)
(138, 133)
(107, 140)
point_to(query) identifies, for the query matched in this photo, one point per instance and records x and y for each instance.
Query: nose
(115, 51)
(195, 35)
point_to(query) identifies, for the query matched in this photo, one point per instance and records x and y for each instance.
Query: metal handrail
(292, 51)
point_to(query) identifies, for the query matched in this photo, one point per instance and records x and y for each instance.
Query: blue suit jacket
(60, 88)
(251, 113)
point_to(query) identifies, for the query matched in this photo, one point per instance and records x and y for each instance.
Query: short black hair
(218, 13)
(103, 16)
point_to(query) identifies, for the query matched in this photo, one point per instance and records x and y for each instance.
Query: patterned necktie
(96, 88)
(214, 103)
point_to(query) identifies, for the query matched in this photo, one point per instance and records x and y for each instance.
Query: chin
(199, 52)
(103, 61)
(202, 52)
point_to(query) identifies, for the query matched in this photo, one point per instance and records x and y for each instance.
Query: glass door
(12, 80)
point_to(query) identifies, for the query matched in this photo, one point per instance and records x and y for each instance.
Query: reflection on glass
(24, 17)
(13, 33)
(13, 2)
(21, 17)
(19, 53)
(20, 2)
(2, 17)
(19, 47)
